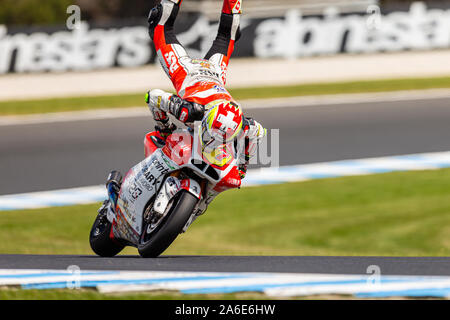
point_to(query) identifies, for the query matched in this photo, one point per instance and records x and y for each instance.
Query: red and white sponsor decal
(184, 115)
(233, 182)
(172, 61)
(185, 183)
(237, 7)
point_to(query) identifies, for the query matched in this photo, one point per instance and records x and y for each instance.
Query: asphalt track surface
(38, 157)
(429, 266)
(49, 156)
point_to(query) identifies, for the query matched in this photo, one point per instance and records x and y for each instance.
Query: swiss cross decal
(237, 7)
(227, 121)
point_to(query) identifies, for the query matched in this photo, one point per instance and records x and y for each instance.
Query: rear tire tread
(102, 244)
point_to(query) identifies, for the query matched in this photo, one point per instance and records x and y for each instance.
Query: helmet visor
(209, 141)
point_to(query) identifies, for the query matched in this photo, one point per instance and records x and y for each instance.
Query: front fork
(172, 185)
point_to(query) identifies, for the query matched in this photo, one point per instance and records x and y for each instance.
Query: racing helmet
(221, 124)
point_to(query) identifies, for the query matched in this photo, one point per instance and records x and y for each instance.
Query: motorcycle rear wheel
(99, 238)
(161, 238)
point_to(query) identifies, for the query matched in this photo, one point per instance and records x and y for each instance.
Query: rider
(200, 83)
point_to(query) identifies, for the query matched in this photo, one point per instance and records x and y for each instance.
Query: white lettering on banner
(295, 36)
(81, 49)
(291, 36)
(73, 21)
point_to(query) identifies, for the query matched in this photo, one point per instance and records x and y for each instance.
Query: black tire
(169, 229)
(99, 238)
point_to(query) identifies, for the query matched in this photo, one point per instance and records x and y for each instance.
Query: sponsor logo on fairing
(233, 182)
(122, 229)
(167, 163)
(135, 192)
(146, 175)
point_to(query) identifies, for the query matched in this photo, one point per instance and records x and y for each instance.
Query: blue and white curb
(422, 161)
(255, 177)
(44, 199)
(271, 284)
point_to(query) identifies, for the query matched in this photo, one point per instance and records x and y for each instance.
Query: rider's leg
(228, 34)
(161, 20)
(169, 50)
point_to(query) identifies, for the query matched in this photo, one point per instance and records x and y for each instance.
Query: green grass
(90, 294)
(393, 214)
(132, 100)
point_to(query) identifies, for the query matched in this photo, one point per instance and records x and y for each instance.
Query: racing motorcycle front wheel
(99, 238)
(157, 237)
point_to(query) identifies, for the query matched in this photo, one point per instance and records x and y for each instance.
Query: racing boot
(155, 14)
(154, 17)
(232, 7)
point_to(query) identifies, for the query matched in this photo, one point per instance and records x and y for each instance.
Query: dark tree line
(29, 12)
(104, 10)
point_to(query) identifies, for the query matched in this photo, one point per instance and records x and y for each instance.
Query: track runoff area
(370, 283)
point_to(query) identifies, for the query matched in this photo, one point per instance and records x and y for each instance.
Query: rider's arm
(163, 123)
(183, 110)
(253, 134)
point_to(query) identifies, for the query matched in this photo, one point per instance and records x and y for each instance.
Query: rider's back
(203, 83)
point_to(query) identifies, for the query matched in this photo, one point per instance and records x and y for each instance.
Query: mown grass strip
(90, 294)
(20, 107)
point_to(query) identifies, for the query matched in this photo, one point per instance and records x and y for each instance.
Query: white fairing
(139, 186)
(144, 180)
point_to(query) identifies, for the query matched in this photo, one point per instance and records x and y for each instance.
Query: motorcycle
(161, 196)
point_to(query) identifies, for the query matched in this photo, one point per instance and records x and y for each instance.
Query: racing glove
(253, 133)
(183, 110)
(242, 169)
(253, 129)
(154, 99)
